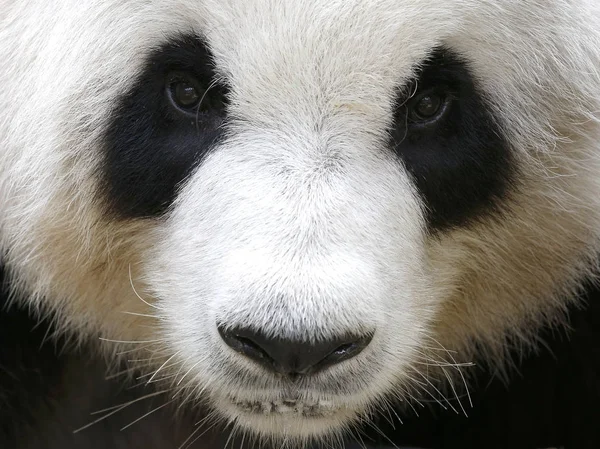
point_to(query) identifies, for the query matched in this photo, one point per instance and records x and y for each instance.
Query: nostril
(248, 347)
(346, 351)
(245, 346)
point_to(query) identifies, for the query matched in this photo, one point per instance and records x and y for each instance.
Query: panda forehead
(328, 22)
(344, 44)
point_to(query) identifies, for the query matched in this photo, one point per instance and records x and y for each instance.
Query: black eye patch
(162, 127)
(445, 134)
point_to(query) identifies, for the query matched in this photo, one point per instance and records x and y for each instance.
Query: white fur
(301, 222)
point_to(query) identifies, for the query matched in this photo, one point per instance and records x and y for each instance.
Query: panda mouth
(296, 407)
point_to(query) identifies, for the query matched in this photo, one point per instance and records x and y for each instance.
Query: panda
(300, 223)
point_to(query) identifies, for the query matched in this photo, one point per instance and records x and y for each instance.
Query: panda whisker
(392, 409)
(453, 388)
(338, 440)
(185, 444)
(139, 361)
(431, 362)
(142, 377)
(244, 433)
(185, 400)
(182, 364)
(47, 334)
(149, 361)
(210, 86)
(424, 387)
(132, 342)
(187, 372)
(192, 392)
(163, 378)
(232, 434)
(113, 407)
(129, 351)
(137, 385)
(147, 414)
(129, 370)
(437, 390)
(457, 366)
(163, 365)
(140, 314)
(211, 419)
(402, 393)
(434, 349)
(468, 393)
(374, 426)
(356, 433)
(137, 294)
(153, 373)
(209, 416)
(415, 400)
(118, 408)
(384, 408)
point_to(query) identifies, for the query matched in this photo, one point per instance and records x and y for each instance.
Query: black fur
(461, 165)
(151, 146)
(552, 401)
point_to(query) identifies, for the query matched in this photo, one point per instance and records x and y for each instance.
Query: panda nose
(289, 357)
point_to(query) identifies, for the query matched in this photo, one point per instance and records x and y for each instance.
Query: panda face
(307, 230)
(301, 209)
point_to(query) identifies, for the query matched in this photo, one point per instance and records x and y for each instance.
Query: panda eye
(428, 107)
(186, 92)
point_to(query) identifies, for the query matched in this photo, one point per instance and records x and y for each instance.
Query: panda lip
(290, 406)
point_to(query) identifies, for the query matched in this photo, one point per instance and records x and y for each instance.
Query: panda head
(301, 210)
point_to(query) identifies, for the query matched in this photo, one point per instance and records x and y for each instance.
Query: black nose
(293, 357)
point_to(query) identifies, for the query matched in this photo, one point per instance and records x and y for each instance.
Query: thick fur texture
(300, 222)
